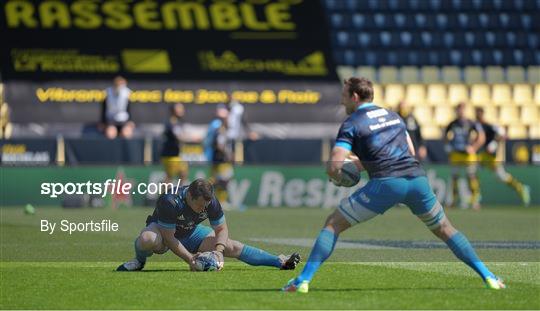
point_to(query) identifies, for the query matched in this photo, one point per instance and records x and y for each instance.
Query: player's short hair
(201, 188)
(361, 86)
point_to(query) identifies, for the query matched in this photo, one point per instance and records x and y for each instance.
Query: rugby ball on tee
(350, 174)
(207, 261)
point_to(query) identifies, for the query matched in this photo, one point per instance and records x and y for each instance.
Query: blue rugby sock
(463, 250)
(257, 257)
(323, 248)
(140, 254)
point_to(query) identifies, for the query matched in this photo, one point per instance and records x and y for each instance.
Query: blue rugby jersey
(172, 212)
(378, 137)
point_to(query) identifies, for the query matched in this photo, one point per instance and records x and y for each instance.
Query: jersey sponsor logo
(377, 113)
(379, 126)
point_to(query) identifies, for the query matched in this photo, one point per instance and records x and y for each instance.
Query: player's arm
(411, 145)
(480, 138)
(174, 244)
(338, 155)
(221, 230)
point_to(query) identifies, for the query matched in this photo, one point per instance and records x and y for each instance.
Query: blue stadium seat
(477, 58)
(448, 39)
(532, 40)
(364, 40)
(370, 58)
(456, 58)
(334, 4)
(406, 38)
(342, 39)
(353, 4)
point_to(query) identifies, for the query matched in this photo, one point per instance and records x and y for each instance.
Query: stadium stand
(484, 53)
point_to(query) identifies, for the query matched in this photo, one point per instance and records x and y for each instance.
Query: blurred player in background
(413, 128)
(463, 138)
(237, 123)
(115, 111)
(219, 151)
(175, 135)
(175, 225)
(488, 157)
(378, 137)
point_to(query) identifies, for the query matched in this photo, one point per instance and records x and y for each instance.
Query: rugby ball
(207, 261)
(350, 174)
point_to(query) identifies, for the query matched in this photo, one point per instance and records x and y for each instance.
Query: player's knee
(111, 132)
(233, 248)
(336, 222)
(147, 240)
(444, 230)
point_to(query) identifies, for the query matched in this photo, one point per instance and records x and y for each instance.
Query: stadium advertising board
(79, 101)
(264, 186)
(27, 152)
(209, 39)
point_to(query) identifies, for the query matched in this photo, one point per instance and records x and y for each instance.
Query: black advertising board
(172, 40)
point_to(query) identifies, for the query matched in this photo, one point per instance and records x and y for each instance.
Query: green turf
(41, 271)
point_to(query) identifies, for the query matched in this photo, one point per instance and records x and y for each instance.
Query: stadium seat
(490, 113)
(431, 132)
(530, 115)
(457, 93)
(393, 93)
(423, 114)
(517, 131)
(494, 74)
(522, 94)
(508, 115)
(480, 95)
(534, 131)
(409, 74)
(533, 74)
(436, 94)
(537, 94)
(430, 74)
(451, 74)
(345, 72)
(378, 94)
(501, 95)
(515, 74)
(367, 72)
(388, 74)
(474, 74)
(443, 115)
(415, 94)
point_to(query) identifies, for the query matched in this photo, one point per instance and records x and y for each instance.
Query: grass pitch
(383, 264)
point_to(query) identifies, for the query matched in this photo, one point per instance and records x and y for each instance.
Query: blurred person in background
(175, 135)
(488, 157)
(219, 151)
(413, 128)
(5, 123)
(115, 114)
(463, 138)
(237, 122)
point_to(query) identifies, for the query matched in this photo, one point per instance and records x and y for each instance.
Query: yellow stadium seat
(409, 74)
(451, 74)
(508, 115)
(534, 131)
(457, 93)
(515, 74)
(430, 74)
(480, 95)
(530, 114)
(469, 111)
(474, 74)
(367, 72)
(423, 114)
(494, 74)
(388, 74)
(537, 94)
(393, 93)
(502, 94)
(443, 115)
(436, 94)
(345, 72)
(517, 131)
(490, 114)
(378, 94)
(522, 94)
(416, 94)
(431, 132)
(533, 73)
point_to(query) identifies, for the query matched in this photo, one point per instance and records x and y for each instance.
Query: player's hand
(191, 262)
(470, 150)
(422, 152)
(219, 259)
